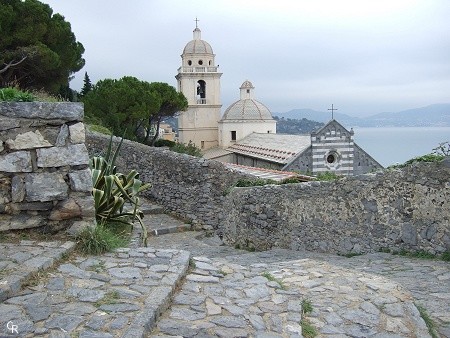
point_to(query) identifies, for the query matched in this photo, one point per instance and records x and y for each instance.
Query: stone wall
(44, 176)
(190, 187)
(395, 209)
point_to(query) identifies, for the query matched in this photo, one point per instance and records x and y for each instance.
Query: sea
(396, 145)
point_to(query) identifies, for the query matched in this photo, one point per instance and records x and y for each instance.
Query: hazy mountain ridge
(435, 115)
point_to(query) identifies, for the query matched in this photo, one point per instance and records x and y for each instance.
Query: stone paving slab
(428, 281)
(20, 261)
(224, 299)
(119, 294)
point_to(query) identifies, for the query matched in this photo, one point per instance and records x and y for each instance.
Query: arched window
(201, 92)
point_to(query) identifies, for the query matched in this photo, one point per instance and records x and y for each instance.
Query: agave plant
(112, 191)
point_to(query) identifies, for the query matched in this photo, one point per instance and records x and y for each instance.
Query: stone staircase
(156, 222)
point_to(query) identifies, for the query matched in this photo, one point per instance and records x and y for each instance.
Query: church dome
(197, 45)
(247, 108)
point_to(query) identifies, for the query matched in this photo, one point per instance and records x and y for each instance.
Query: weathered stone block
(17, 162)
(86, 203)
(45, 187)
(9, 123)
(17, 188)
(67, 111)
(65, 210)
(21, 221)
(28, 140)
(409, 234)
(81, 180)
(1, 146)
(62, 136)
(77, 133)
(61, 156)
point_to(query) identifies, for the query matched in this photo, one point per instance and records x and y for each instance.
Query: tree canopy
(38, 49)
(131, 107)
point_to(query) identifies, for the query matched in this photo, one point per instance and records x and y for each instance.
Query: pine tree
(87, 87)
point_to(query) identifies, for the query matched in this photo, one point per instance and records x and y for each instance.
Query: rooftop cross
(196, 22)
(332, 111)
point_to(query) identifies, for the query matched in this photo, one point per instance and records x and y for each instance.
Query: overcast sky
(365, 56)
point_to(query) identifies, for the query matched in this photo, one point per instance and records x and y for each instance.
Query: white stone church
(246, 133)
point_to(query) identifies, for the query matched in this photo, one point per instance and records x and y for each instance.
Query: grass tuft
(110, 297)
(272, 278)
(308, 331)
(306, 306)
(428, 321)
(99, 239)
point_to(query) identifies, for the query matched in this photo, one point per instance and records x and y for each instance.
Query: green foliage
(423, 158)
(16, 95)
(189, 149)
(164, 143)
(327, 176)
(428, 321)
(99, 129)
(87, 85)
(306, 306)
(272, 278)
(296, 126)
(308, 331)
(99, 239)
(131, 107)
(253, 182)
(112, 190)
(38, 48)
(110, 297)
(290, 180)
(446, 256)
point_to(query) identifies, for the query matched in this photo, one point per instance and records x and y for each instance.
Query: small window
(189, 62)
(268, 132)
(200, 62)
(203, 145)
(233, 135)
(331, 158)
(248, 91)
(209, 63)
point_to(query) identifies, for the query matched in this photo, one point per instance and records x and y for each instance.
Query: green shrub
(291, 180)
(112, 190)
(99, 129)
(164, 143)
(424, 158)
(189, 149)
(99, 239)
(327, 176)
(253, 182)
(15, 95)
(446, 256)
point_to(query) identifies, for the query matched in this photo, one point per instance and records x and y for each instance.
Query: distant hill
(294, 126)
(435, 115)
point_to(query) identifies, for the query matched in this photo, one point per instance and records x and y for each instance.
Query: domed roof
(247, 109)
(197, 45)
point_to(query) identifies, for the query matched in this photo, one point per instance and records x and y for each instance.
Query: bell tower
(199, 80)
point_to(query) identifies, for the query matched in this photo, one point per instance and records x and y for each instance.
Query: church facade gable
(332, 149)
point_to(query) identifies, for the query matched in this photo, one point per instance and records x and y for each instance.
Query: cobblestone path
(152, 292)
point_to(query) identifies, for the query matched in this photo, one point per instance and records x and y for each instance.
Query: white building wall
(243, 129)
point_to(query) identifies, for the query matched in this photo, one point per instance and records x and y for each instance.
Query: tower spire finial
(196, 22)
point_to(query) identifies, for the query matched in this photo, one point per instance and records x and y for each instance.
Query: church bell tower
(199, 80)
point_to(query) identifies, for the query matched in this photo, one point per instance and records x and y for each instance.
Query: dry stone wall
(399, 209)
(44, 176)
(190, 187)
(390, 210)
